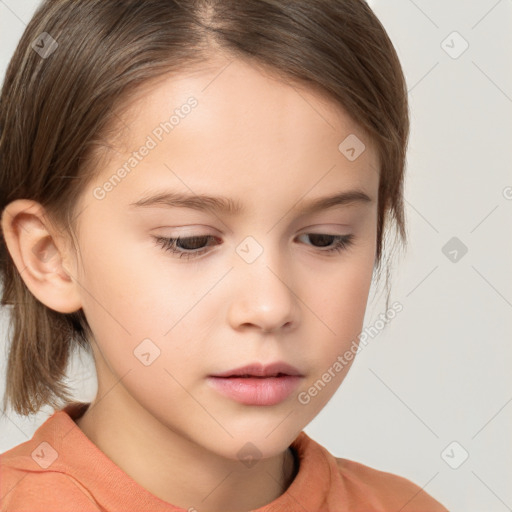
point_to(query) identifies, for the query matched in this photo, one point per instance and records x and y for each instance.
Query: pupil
(192, 243)
(324, 238)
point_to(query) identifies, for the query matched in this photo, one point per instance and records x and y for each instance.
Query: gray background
(440, 371)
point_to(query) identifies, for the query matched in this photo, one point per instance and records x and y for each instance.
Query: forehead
(246, 123)
(235, 94)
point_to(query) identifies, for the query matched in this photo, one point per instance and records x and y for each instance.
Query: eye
(191, 247)
(188, 247)
(341, 242)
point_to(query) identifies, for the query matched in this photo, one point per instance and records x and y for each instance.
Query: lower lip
(254, 390)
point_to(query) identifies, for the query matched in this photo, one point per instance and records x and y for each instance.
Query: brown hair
(56, 110)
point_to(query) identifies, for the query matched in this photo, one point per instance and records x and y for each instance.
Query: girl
(198, 193)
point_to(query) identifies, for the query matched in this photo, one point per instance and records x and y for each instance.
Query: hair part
(58, 113)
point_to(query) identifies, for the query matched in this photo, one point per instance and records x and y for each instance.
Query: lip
(256, 390)
(257, 384)
(260, 370)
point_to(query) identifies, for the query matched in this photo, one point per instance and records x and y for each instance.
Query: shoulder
(353, 486)
(23, 490)
(386, 489)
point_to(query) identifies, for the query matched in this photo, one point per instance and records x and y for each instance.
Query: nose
(263, 297)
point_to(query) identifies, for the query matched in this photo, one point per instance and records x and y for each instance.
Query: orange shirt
(61, 470)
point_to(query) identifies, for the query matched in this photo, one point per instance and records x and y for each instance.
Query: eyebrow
(230, 206)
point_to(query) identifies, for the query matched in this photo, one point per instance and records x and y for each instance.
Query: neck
(175, 469)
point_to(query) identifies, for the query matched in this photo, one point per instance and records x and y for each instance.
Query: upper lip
(260, 370)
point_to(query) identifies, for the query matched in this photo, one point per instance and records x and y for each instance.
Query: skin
(256, 139)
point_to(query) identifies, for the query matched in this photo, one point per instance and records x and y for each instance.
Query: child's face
(263, 291)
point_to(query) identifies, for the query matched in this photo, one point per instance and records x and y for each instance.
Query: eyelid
(169, 244)
(195, 229)
(315, 229)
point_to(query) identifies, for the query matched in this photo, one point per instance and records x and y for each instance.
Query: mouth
(248, 376)
(256, 384)
(258, 370)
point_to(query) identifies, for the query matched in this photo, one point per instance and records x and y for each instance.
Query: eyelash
(343, 242)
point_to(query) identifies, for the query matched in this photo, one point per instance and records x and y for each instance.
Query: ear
(40, 255)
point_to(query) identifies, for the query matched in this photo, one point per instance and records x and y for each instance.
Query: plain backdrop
(429, 397)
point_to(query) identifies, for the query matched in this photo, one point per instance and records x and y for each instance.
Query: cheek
(347, 283)
(338, 303)
(343, 305)
(137, 303)
(340, 310)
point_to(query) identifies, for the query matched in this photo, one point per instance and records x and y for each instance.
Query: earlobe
(38, 253)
